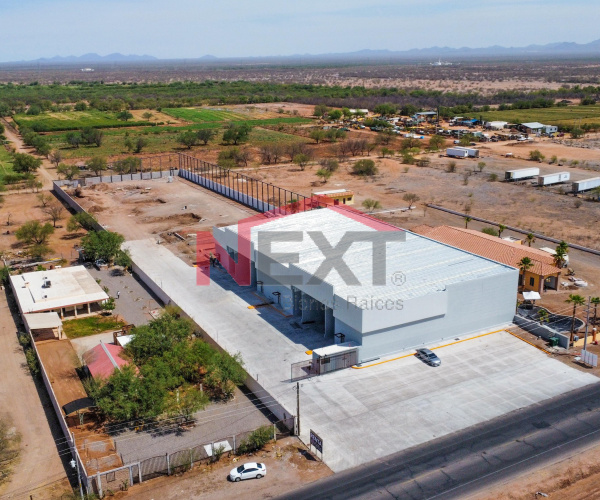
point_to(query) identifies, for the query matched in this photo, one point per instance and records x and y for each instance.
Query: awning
(78, 404)
(531, 296)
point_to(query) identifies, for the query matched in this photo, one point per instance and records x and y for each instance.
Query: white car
(250, 470)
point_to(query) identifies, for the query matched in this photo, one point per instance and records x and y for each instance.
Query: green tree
(501, 229)
(147, 115)
(124, 115)
(109, 305)
(324, 175)
(317, 135)
(301, 160)
(33, 232)
(97, 164)
(371, 204)
(576, 300)
(123, 259)
(365, 168)
(386, 152)
(81, 220)
(55, 157)
(127, 165)
(102, 245)
(467, 220)
(90, 135)
(236, 133)
(24, 163)
(480, 166)
(188, 138)
(320, 110)
(69, 171)
(140, 144)
(329, 164)
(437, 142)
(334, 114)
(410, 198)
(80, 106)
(205, 135)
(74, 139)
(385, 109)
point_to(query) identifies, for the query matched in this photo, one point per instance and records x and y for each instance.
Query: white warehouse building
(403, 290)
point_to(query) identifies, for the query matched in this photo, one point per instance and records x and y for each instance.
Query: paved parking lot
(369, 413)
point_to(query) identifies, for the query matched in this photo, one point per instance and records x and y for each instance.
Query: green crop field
(73, 120)
(5, 163)
(203, 115)
(567, 115)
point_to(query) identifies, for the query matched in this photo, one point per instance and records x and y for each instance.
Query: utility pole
(298, 406)
(587, 322)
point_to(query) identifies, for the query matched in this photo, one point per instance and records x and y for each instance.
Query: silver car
(429, 357)
(250, 470)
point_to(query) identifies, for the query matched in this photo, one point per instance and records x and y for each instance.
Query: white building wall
(473, 306)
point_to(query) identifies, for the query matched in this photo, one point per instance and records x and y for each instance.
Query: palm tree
(560, 253)
(467, 220)
(595, 301)
(501, 227)
(576, 300)
(525, 264)
(530, 238)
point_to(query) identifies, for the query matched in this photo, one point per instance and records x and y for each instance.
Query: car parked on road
(251, 470)
(428, 357)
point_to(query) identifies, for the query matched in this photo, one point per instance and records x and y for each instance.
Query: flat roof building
(388, 293)
(343, 196)
(68, 291)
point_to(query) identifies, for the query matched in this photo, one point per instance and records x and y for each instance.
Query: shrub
(451, 167)
(32, 362)
(493, 177)
(490, 230)
(536, 155)
(365, 168)
(256, 440)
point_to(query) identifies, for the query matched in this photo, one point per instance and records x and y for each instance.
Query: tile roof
(491, 247)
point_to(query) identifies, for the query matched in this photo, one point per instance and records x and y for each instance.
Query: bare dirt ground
(140, 210)
(573, 478)
(289, 466)
(20, 208)
(27, 404)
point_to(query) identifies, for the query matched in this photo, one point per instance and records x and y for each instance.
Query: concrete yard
(362, 414)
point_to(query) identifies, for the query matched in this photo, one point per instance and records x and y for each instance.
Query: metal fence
(244, 189)
(178, 461)
(322, 365)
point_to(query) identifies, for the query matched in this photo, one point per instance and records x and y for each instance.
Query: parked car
(428, 357)
(101, 264)
(250, 470)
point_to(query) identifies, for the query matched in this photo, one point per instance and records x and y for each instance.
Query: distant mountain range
(552, 49)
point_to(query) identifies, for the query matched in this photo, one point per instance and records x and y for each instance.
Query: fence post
(140, 472)
(274, 433)
(99, 485)
(234, 448)
(191, 458)
(168, 465)
(131, 475)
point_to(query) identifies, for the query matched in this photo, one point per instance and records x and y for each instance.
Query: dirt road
(20, 147)
(30, 410)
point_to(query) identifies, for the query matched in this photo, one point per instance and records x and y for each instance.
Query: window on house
(531, 281)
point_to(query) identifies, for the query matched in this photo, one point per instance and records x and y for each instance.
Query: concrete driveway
(373, 412)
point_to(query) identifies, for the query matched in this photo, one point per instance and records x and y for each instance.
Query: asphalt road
(468, 461)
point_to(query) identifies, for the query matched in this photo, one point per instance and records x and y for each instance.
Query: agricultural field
(565, 115)
(162, 140)
(73, 120)
(5, 164)
(200, 115)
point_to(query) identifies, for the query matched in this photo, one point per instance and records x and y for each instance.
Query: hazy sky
(30, 29)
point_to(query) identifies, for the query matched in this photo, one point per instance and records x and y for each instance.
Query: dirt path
(39, 462)
(20, 147)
